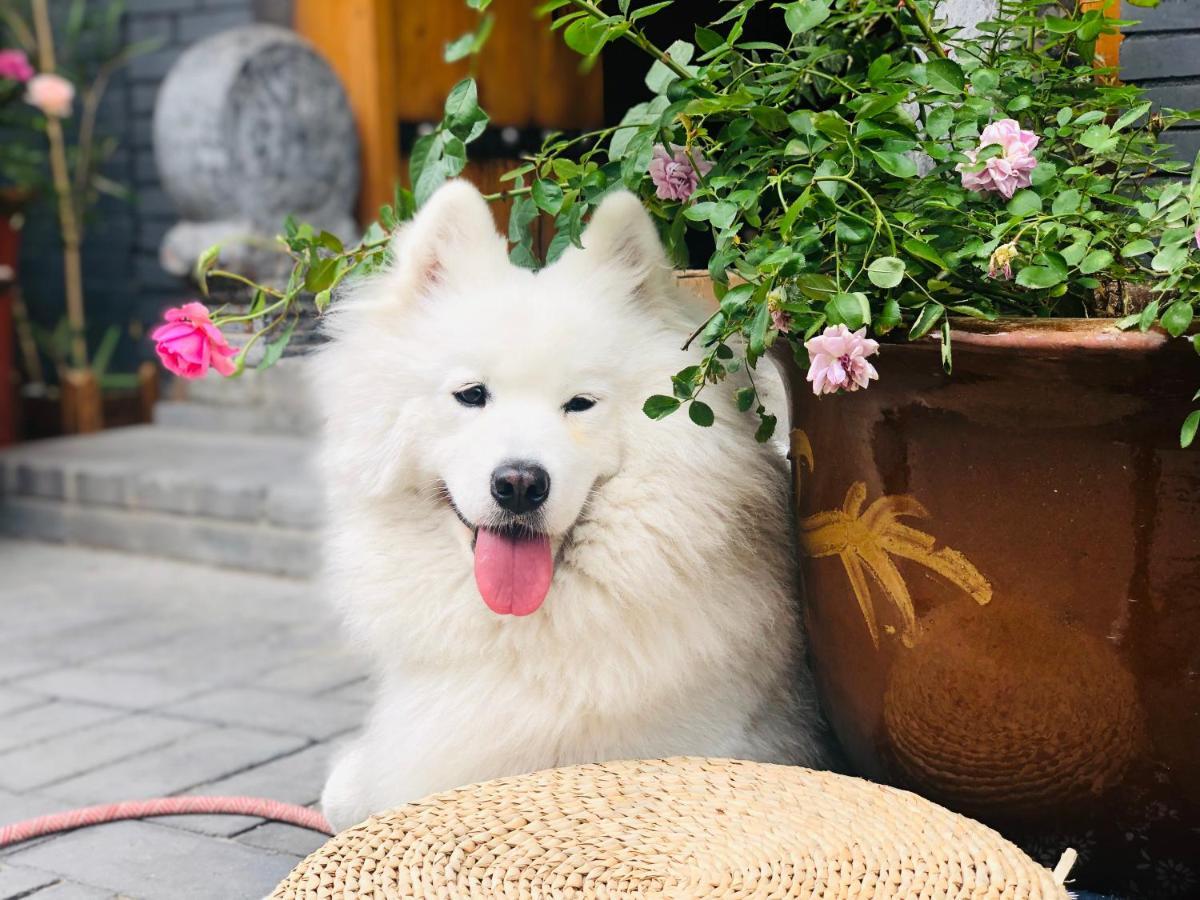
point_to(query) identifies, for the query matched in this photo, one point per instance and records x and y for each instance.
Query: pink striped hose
(300, 816)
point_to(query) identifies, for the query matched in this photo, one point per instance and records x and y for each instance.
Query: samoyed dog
(540, 574)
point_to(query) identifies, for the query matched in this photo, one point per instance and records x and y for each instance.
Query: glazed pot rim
(1031, 333)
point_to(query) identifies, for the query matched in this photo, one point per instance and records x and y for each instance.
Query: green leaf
(766, 428)
(1187, 433)
(321, 274)
(463, 117)
(745, 397)
(1178, 318)
(204, 265)
(758, 331)
(660, 75)
(1148, 316)
(850, 309)
(1132, 116)
(1169, 259)
(660, 406)
(274, 350)
(548, 196)
(897, 164)
(1039, 277)
(888, 318)
(1066, 202)
(1096, 261)
(922, 250)
(804, 15)
(886, 271)
(701, 413)
(523, 213)
(939, 121)
(947, 359)
(945, 76)
(1024, 203)
(926, 319)
(1137, 248)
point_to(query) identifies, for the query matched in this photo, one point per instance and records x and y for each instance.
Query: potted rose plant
(978, 243)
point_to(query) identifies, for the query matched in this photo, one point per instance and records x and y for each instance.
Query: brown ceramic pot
(1002, 569)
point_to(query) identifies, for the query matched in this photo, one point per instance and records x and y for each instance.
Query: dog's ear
(622, 236)
(453, 230)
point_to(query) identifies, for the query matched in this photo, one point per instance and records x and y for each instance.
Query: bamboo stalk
(68, 220)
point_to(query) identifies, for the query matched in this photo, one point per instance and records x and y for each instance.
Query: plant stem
(636, 36)
(926, 28)
(504, 195)
(68, 222)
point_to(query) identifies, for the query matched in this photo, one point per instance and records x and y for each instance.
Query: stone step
(246, 501)
(197, 415)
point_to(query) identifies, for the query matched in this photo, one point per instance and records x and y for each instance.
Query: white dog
(540, 574)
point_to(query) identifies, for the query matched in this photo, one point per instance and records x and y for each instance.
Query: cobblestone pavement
(123, 677)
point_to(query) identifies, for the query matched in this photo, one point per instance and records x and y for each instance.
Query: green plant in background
(870, 168)
(63, 86)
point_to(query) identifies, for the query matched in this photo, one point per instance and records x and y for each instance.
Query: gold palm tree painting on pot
(867, 541)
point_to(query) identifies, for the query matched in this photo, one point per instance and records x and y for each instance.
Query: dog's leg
(346, 798)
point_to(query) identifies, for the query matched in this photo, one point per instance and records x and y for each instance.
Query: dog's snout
(520, 487)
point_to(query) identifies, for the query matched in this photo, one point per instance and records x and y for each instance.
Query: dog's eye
(578, 404)
(473, 395)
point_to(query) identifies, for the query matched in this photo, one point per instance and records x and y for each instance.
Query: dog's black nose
(520, 487)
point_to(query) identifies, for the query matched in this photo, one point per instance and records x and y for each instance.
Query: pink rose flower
(1012, 169)
(189, 343)
(52, 94)
(14, 65)
(838, 360)
(672, 172)
(1198, 237)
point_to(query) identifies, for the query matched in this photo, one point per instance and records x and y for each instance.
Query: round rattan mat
(681, 828)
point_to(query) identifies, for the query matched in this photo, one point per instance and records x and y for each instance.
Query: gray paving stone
(71, 890)
(283, 838)
(20, 881)
(214, 826)
(17, 807)
(198, 759)
(128, 690)
(316, 717)
(14, 699)
(146, 860)
(57, 759)
(314, 674)
(49, 720)
(295, 778)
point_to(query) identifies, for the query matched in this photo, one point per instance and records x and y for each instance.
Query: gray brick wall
(1162, 53)
(123, 281)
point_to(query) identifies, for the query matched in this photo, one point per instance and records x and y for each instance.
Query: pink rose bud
(1001, 262)
(188, 343)
(672, 172)
(52, 94)
(1012, 169)
(838, 360)
(14, 65)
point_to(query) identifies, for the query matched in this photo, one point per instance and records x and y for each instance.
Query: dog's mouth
(514, 565)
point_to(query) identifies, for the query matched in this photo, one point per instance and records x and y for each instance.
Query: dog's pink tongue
(513, 573)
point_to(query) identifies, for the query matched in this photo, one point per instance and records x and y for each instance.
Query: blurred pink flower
(672, 172)
(838, 360)
(52, 94)
(14, 65)
(1012, 169)
(188, 343)
(1198, 237)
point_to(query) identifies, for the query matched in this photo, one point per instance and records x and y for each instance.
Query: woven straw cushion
(680, 828)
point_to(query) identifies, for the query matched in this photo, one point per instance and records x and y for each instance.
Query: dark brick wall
(1163, 54)
(124, 284)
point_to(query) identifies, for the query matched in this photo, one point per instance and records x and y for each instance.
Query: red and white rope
(301, 816)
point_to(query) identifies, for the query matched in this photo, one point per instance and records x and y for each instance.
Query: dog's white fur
(671, 624)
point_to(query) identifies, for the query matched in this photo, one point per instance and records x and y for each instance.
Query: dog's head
(506, 394)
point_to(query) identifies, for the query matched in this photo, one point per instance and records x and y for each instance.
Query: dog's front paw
(344, 802)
